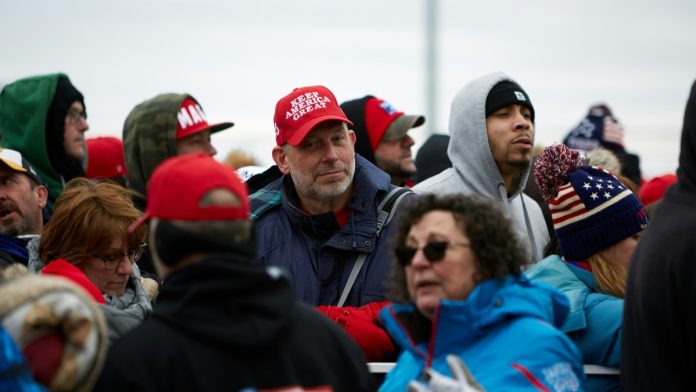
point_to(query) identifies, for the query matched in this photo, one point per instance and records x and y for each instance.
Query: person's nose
(330, 154)
(83, 125)
(125, 267)
(419, 260)
(407, 141)
(521, 122)
(209, 149)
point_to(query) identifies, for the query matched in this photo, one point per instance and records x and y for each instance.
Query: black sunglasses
(434, 251)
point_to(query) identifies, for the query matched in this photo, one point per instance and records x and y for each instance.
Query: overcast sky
(239, 57)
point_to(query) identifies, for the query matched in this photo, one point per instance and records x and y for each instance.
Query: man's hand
(463, 380)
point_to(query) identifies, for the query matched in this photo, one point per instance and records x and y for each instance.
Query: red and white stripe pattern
(585, 195)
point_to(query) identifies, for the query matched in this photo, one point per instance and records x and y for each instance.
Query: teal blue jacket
(505, 332)
(595, 319)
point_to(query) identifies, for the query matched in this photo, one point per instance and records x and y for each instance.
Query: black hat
(507, 93)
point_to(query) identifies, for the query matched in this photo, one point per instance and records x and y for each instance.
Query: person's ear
(351, 135)
(41, 193)
(281, 159)
(160, 268)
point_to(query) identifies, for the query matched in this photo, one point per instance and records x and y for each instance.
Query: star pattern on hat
(595, 190)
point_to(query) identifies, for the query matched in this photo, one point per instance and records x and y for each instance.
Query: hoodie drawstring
(503, 197)
(535, 256)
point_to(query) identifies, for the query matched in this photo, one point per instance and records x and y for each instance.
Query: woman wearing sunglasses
(458, 290)
(87, 240)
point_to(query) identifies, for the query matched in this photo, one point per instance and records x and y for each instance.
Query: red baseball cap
(179, 184)
(191, 119)
(105, 158)
(301, 110)
(384, 122)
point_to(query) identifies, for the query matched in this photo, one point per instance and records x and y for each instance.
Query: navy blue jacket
(316, 252)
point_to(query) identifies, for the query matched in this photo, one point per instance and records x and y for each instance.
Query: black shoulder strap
(385, 208)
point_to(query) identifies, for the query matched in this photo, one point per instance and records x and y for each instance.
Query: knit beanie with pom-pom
(590, 208)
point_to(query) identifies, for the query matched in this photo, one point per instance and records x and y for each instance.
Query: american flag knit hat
(590, 208)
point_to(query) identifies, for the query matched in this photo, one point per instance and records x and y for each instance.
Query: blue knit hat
(599, 128)
(590, 208)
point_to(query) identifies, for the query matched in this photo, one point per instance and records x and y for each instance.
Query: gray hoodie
(474, 169)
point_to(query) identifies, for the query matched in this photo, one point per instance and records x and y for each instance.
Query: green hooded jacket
(24, 108)
(149, 137)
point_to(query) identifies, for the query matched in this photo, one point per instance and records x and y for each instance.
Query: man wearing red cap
(222, 321)
(382, 136)
(159, 128)
(319, 220)
(162, 127)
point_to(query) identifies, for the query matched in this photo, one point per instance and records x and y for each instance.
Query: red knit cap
(105, 158)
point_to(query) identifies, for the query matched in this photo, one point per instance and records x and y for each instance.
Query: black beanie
(507, 93)
(355, 111)
(172, 243)
(63, 98)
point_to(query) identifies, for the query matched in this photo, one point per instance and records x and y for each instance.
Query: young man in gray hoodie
(491, 130)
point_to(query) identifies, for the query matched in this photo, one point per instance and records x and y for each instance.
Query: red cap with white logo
(191, 119)
(303, 109)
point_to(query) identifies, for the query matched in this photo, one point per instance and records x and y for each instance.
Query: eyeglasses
(111, 261)
(75, 115)
(434, 251)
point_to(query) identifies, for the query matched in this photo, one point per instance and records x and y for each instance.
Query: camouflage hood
(149, 137)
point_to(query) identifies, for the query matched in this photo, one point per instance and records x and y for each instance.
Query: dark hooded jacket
(431, 158)
(149, 137)
(226, 324)
(659, 347)
(32, 121)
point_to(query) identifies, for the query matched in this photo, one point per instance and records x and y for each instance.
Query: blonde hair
(604, 158)
(239, 158)
(609, 276)
(86, 219)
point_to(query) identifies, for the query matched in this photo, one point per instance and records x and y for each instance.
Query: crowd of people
(483, 263)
